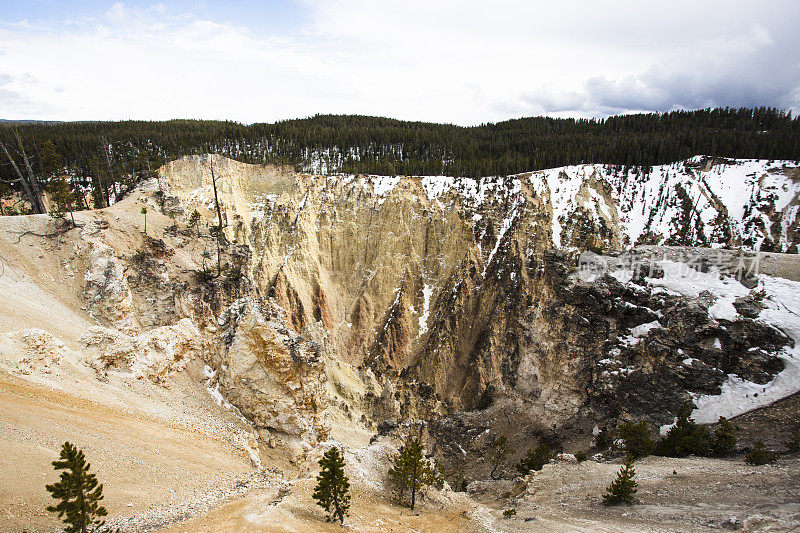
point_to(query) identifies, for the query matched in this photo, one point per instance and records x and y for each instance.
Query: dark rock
(646, 269)
(749, 281)
(706, 298)
(686, 317)
(386, 427)
(748, 306)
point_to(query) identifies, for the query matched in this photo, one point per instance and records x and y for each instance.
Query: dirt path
(269, 511)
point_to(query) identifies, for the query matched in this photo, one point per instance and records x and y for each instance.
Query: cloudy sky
(464, 62)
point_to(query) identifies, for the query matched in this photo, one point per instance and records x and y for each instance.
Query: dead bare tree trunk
(219, 215)
(37, 191)
(107, 153)
(30, 184)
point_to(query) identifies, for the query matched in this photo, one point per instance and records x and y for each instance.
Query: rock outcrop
(152, 354)
(30, 350)
(107, 290)
(275, 377)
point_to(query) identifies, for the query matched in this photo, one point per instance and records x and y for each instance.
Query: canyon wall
(435, 294)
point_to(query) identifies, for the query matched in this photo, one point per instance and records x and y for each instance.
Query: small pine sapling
(194, 219)
(78, 491)
(412, 471)
(624, 487)
(332, 492)
(724, 438)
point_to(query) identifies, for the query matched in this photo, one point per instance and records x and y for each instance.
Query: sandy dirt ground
(692, 494)
(146, 463)
(169, 460)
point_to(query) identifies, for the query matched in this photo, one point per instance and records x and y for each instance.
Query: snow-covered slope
(697, 202)
(781, 302)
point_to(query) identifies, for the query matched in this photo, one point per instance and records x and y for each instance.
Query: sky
(456, 61)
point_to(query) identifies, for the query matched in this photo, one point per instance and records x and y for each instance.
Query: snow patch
(427, 292)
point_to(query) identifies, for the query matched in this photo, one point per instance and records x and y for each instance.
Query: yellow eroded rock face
(275, 377)
(376, 261)
(430, 294)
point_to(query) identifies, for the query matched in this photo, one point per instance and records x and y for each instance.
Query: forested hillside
(103, 158)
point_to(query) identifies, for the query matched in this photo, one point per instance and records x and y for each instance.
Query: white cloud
(452, 61)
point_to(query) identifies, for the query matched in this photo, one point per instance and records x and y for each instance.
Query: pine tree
(685, 437)
(411, 471)
(194, 219)
(623, 488)
(79, 492)
(333, 489)
(724, 438)
(636, 437)
(63, 197)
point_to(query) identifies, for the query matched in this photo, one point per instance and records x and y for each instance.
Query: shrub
(724, 438)
(535, 458)
(700, 442)
(637, 438)
(759, 455)
(603, 439)
(581, 456)
(508, 513)
(624, 487)
(686, 437)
